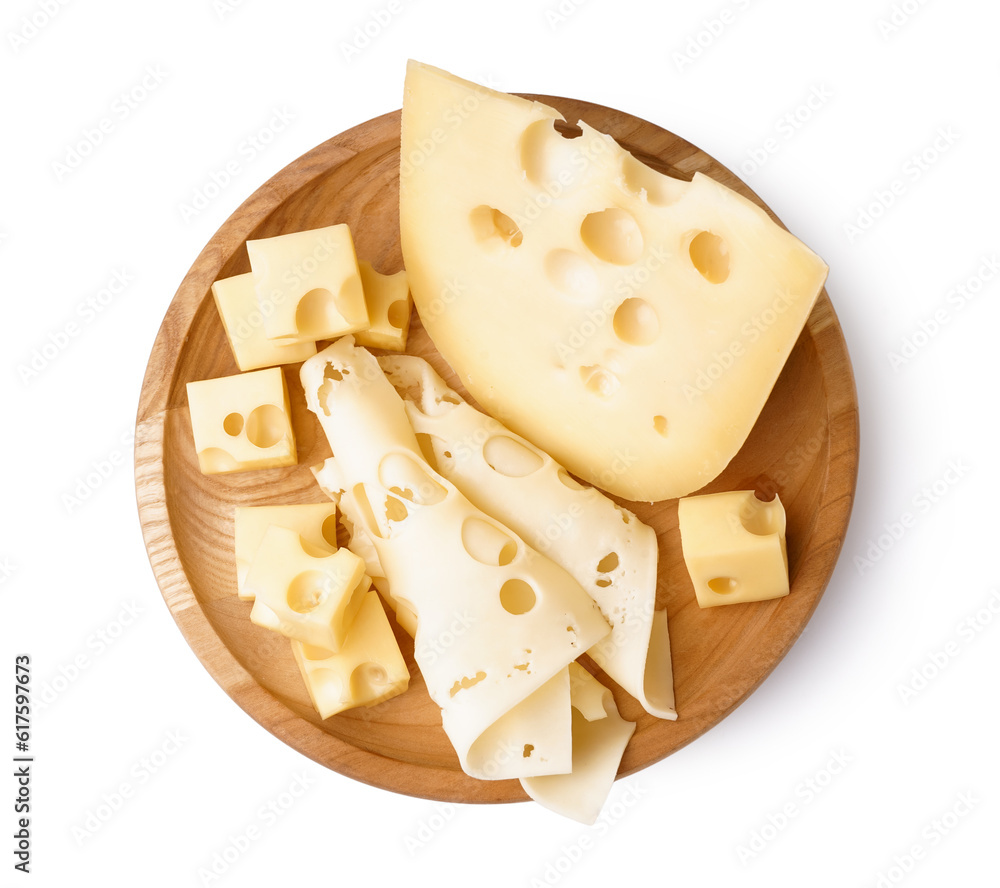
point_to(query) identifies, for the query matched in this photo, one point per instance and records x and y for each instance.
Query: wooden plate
(804, 447)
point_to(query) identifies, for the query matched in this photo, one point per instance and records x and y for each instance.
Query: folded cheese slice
(605, 547)
(600, 736)
(629, 323)
(524, 617)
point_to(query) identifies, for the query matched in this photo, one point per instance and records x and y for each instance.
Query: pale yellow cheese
(389, 308)
(242, 422)
(523, 618)
(605, 547)
(310, 597)
(308, 284)
(236, 300)
(368, 669)
(628, 323)
(734, 547)
(315, 523)
(600, 736)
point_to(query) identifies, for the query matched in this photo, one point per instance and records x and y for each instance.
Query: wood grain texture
(804, 447)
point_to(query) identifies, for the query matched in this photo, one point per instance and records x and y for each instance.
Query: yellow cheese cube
(242, 422)
(368, 669)
(308, 284)
(734, 547)
(310, 598)
(389, 307)
(315, 523)
(236, 299)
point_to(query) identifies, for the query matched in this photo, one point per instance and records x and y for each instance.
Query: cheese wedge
(605, 547)
(628, 323)
(525, 617)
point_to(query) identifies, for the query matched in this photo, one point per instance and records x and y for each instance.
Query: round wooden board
(804, 447)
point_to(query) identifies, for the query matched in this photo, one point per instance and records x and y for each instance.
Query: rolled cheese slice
(523, 618)
(629, 323)
(605, 547)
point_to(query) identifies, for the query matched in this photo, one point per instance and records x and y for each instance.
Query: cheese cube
(368, 669)
(310, 598)
(236, 299)
(389, 308)
(734, 547)
(242, 422)
(308, 284)
(315, 523)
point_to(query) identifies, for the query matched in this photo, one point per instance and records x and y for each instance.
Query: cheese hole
(640, 179)
(602, 582)
(510, 458)
(528, 749)
(368, 680)
(517, 597)
(467, 682)
(307, 591)
(635, 322)
(660, 425)
(316, 313)
(571, 274)
(599, 381)
(723, 585)
(613, 236)
(394, 509)
(399, 311)
(567, 130)
(233, 424)
(710, 255)
(547, 157)
(569, 481)
(429, 445)
(761, 519)
(491, 227)
(402, 475)
(329, 530)
(216, 460)
(608, 563)
(266, 425)
(487, 544)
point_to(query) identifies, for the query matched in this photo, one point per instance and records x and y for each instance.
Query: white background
(844, 768)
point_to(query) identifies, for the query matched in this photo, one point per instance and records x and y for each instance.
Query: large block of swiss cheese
(630, 324)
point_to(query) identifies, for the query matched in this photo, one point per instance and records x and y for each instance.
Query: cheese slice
(600, 736)
(628, 323)
(525, 618)
(605, 547)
